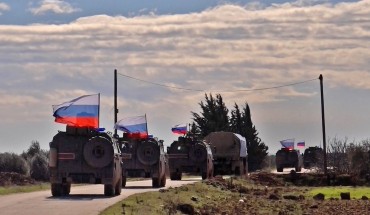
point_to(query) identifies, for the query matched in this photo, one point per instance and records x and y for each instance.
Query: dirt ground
(276, 194)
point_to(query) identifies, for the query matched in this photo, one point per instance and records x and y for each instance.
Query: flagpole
(146, 125)
(99, 110)
(115, 101)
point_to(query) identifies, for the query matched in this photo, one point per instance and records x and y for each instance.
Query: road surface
(83, 200)
(287, 171)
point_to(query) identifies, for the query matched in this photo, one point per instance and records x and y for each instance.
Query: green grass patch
(166, 201)
(334, 192)
(24, 189)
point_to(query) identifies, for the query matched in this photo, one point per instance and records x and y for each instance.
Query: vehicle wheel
(173, 176)
(155, 182)
(56, 189)
(204, 175)
(66, 189)
(109, 190)
(124, 179)
(179, 176)
(98, 152)
(118, 187)
(279, 169)
(163, 181)
(298, 168)
(210, 173)
(148, 153)
(237, 171)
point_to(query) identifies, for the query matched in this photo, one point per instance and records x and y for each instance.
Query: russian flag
(289, 143)
(80, 112)
(136, 127)
(180, 129)
(301, 144)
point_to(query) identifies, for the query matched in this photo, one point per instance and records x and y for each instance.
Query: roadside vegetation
(260, 193)
(23, 189)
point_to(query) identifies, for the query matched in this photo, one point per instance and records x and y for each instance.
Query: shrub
(39, 167)
(10, 162)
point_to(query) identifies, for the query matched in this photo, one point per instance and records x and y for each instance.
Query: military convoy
(187, 155)
(144, 158)
(288, 158)
(229, 153)
(83, 155)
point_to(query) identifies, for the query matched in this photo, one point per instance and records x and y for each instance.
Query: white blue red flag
(301, 144)
(80, 112)
(289, 143)
(180, 129)
(135, 127)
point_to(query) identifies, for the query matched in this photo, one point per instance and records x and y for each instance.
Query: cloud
(54, 6)
(226, 48)
(3, 7)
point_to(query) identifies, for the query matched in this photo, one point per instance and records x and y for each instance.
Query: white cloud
(221, 49)
(3, 7)
(54, 6)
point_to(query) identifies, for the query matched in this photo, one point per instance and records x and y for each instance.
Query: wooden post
(323, 124)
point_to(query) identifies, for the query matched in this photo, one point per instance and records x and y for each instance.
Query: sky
(53, 51)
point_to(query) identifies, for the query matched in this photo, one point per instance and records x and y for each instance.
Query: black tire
(279, 169)
(163, 180)
(298, 168)
(56, 189)
(212, 173)
(98, 152)
(66, 189)
(155, 182)
(204, 175)
(109, 190)
(179, 176)
(148, 152)
(173, 176)
(118, 188)
(124, 179)
(198, 153)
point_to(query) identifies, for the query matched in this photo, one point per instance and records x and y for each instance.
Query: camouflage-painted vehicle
(229, 152)
(83, 155)
(288, 158)
(313, 157)
(189, 156)
(143, 158)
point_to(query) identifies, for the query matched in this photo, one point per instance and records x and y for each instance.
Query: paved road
(83, 200)
(287, 171)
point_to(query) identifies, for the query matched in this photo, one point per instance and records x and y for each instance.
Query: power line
(222, 91)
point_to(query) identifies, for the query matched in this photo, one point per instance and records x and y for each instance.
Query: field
(261, 193)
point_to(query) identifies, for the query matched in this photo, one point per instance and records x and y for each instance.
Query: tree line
(33, 162)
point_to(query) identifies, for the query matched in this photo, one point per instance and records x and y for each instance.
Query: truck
(229, 152)
(143, 157)
(188, 155)
(313, 157)
(82, 155)
(288, 158)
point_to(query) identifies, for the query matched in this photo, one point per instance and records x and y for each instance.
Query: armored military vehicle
(313, 157)
(189, 156)
(83, 155)
(144, 158)
(229, 152)
(286, 158)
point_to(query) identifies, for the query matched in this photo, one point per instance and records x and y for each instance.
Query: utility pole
(323, 124)
(115, 101)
